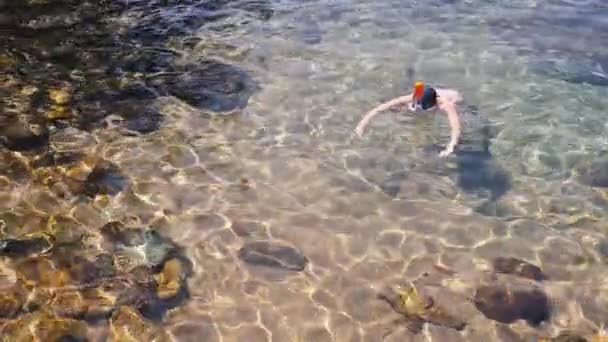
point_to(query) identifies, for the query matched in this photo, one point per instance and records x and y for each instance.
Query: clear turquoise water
(373, 211)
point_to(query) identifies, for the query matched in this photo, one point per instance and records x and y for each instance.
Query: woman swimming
(424, 98)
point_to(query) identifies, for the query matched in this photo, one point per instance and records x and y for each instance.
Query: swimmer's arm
(454, 120)
(387, 105)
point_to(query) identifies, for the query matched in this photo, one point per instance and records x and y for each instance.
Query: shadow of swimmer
(475, 170)
(478, 172)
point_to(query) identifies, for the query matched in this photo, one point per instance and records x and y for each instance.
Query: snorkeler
(424, 98)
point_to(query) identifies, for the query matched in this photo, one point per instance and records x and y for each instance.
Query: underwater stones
(418, 308)
(105, 179)
(595, 174)
(215, 86)
(137, 116)
(77, 285)
(273, 254)
(140, 246)
(80, 174)
(42, 326)
(145, 120)
(18, 135)
(507, 304)
(116, 233)
(170, 279)
(157, 249)
(254, 229)
(128, 325)
(180, 157)
(59, 98)
(136, 91)
(518, 267)
(13, 167)
(86, 271)
(25, 247)
(42, 272)
(578, 70)
(10, 305)
(309, 31)
(565, 337)
(96, 300)
(71, 140)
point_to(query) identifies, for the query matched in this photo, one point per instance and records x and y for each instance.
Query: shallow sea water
(374, 211)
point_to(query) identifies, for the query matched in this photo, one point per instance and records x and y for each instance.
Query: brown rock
(59, 96)
(170, 279)
(507, 305)
(568, 337)
(272, 254)
(10, 304)
(19, 135)
(25, 246)
(58, 113)
(128, 325)
(518, 267)
(42, 326)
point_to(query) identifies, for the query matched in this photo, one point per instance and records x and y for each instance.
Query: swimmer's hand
(448, 150)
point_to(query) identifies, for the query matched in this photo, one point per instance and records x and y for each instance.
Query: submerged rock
(136, 116)
(84, 271)
(105, 179)
(596, 174)
(42, 326)
(576, 70)
(170, 279)
(565, 337)
(12, 302)
(417, 308)
(143, 120)
(90, 282)
(71, 140)
(518, 267)
(18, 135)
(138, 246)
(128, 325)
(214, 86)
(25, 247)
(309, 31)
(272, 254)
(507, 305)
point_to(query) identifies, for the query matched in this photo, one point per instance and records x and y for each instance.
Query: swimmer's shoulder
(450, 95)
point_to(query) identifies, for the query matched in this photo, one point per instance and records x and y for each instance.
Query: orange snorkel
(417, 96)
(418, 91)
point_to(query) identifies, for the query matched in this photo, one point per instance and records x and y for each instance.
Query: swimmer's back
(449, 95)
